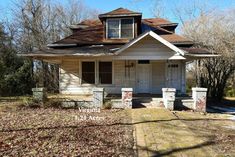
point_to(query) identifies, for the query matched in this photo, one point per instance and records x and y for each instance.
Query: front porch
(118, 101)
(144, 76)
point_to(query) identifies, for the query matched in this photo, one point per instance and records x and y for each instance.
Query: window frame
(119, 35)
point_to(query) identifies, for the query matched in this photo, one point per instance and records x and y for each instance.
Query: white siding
(147, 48)
(70, 78)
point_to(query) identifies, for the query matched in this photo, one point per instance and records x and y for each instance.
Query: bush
(107, 104)
(30, 102)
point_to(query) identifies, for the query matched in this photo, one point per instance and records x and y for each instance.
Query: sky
(144, 6)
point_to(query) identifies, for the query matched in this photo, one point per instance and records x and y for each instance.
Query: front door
(143, 78)
(173, 75)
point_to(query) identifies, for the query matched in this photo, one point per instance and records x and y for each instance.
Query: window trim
(119, 35)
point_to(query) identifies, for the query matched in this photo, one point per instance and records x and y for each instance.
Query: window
(88, 72)
(127, 28)
(120, 28)
(105, 72)
(113, 29)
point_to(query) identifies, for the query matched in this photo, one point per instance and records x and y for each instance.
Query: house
(120, 50)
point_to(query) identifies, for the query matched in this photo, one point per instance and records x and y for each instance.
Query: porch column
(127, 97)
(98, 97)
(168, 95)
(199, 99)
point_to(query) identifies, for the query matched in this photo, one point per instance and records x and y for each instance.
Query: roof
(120, 12)
(158, 22)
(86, 23)
(93, 50)
(175, 38)
(88, 36)
(95, 32)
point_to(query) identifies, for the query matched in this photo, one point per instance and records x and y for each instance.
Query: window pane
(127, 28)
(113, 28)
(105, 72)
(88, 72)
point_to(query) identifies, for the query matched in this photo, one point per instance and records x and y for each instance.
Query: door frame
(137, 78)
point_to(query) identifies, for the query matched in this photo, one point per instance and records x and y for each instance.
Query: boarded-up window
(105, 72)
(88, 72)
(127, 28)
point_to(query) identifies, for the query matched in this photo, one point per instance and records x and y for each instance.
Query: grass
(162, 133)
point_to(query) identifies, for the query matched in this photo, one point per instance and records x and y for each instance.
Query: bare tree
(159, 9)
(215, 32)
(40, 22)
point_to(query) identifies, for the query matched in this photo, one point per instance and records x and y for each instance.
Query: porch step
(157, 102)
(184, 103)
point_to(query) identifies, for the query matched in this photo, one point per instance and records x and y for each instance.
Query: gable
(148, 47)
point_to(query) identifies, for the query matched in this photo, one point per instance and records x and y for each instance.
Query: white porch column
(199, 98)
(98, 97)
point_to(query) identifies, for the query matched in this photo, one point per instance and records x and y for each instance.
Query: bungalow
(120, 50)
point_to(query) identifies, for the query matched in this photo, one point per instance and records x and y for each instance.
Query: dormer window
(120, 28)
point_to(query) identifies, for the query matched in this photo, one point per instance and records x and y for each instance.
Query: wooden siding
(69, 74)
(148, 47)
(70, 80)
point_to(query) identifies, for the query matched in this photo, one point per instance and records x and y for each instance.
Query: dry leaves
(57, 132)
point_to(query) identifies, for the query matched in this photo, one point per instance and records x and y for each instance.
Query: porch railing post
(199, 99)
(127, 97)
(168, 95)
(98, 97)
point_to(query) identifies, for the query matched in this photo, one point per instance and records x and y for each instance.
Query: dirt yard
(71, 132)
(64, 132)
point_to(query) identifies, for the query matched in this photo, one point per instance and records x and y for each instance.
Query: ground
(143, 132)
(159, 132)
(64, 132)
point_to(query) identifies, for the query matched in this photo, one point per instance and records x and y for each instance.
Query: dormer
(121, 24)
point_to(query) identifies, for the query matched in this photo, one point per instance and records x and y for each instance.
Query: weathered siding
(147, 48)
(161, 76)
(70, 78)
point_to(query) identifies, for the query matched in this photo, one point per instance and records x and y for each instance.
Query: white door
(143, 77)
(173, 75)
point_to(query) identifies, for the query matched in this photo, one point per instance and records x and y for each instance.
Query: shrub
(107, 104)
